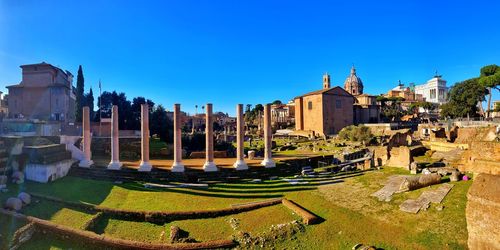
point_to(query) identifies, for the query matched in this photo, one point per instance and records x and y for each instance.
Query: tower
(326, 81)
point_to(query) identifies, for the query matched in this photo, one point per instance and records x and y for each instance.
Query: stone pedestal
(209, 133)
(177, 165)
(268, 139)
(240, 135)
(251, 154)
(86, 162)
(115, 163)
(145, 164)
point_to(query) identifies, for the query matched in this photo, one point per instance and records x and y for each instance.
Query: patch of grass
(351, 215)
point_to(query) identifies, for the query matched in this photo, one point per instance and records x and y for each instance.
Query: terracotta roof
(322, 91)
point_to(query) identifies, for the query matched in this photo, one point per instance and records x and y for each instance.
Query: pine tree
(80, 86)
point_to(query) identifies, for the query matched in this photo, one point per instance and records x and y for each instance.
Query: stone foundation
(47, 172)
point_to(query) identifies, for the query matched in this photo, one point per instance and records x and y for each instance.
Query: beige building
(324, 112)
(283, 115)
(366, 109)
(45, 92)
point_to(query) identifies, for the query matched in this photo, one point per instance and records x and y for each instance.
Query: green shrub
(356, 133)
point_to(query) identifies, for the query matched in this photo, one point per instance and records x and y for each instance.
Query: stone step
(166, 176)
(49, 158)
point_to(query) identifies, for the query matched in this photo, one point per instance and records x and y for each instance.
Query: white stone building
(434, 90)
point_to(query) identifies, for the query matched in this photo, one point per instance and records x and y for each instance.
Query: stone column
(115, 163)
(177, 165)
(86, 162)
(240, 136)
(145, 164)
(268, 138)
(209, 145)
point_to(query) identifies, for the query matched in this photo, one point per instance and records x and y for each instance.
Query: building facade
(45, 93)
(434, 90)
(283, 115)
(324, 112)
(366, 109)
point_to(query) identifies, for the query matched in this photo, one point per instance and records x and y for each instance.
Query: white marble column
(268, 139)
(177, 165)
(145, 164)
(240, 135)
(115, 163)
(86, 162)
(209, 145)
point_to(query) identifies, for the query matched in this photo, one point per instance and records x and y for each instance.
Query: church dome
(353, 83)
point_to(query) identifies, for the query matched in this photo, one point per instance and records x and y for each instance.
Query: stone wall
(400, 157)
(380, 155)
(483, 212)
(482, 157)
(442, 146)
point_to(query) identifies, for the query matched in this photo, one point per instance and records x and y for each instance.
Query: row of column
(177, 165)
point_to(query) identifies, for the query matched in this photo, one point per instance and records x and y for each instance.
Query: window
(338, 104)
(433, 94)
(309, 105)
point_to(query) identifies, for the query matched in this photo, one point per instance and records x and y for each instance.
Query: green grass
(350, 215)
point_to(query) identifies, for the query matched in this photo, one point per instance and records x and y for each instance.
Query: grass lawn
(350, 215)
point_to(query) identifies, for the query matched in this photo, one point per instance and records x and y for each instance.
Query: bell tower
(326, 81)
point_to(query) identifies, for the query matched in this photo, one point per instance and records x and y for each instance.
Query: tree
(490, 79)
(463, 99)
(277, 102)
(161, 125)
(89, 101)
(80, 86)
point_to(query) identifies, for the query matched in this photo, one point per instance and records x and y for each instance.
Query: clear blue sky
(229, 52)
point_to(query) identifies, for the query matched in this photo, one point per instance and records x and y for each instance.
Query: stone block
(400, 157)
(483, 212)
(25, 198)
(14, 204)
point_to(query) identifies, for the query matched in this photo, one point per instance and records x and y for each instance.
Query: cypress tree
(89, 101)
(80, 85)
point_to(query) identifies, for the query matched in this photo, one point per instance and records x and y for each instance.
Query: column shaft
(86, 161)
(145, 164)
(240, 136)
(209, 145)
(115, 144)
(177, 165)
(268, 138)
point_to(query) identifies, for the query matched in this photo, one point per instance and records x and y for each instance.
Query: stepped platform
(194, 170)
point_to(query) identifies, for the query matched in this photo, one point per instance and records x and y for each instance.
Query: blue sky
(229, 52)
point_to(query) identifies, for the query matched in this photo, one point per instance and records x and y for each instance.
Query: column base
(178, 167)
(268, 163)
(85, 163)
(115, 165)
(145, 166)
(240, 165)
(210, 167)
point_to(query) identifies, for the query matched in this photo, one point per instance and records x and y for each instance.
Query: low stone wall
(160, 217)
(106, 242)
(201, 154)
(483, 212)
(444, 146)
(307, 217)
